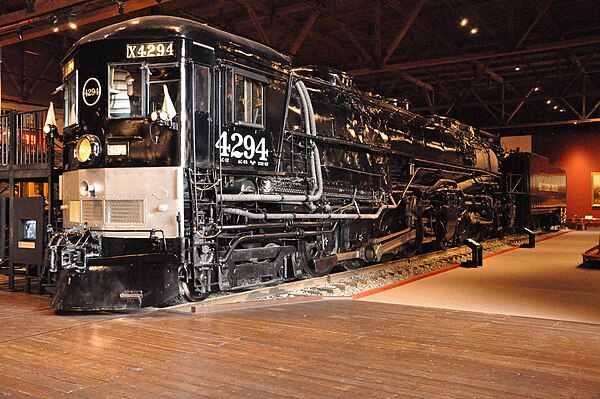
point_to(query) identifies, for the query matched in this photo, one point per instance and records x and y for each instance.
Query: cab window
(160, 76)
(245, 98)
(125, 91)
(69, 87)
(137, 90)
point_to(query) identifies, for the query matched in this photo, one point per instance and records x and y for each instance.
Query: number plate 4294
(243, 148)
(146, 50)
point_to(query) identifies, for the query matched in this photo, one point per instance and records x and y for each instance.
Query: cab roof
(162, 26)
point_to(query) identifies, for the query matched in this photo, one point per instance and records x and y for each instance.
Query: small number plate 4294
(146, 50)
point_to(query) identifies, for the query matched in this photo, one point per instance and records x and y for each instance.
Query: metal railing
(5, 139)
(22, 139)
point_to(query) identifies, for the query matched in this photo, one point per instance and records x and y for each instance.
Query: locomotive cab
(142, 105)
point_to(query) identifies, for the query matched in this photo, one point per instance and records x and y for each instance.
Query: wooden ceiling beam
(256, 22)
(484, 26)
(377, 30)
(428, 30)
(333, 16)
(94, 16)
(489, 72)
(364, 53)
(416, 81)
(283, 13)
(35, 82)
(515, 100)
(586, 41)
(568, 104)
(400, 35)
(541, 124)
(529, 93)
(534, 23)
(43, 7)
(487, 107)
(306, 28)
(594, 108)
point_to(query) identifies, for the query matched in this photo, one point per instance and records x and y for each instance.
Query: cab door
(246, 136)
(203, 106)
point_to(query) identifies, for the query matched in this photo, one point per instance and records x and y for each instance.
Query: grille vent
(91, 212)
(125, 211)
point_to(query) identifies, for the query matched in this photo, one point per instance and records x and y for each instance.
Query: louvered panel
(124, 211)
(91, 212)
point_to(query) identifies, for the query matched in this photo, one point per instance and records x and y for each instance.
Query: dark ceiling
(532, 67)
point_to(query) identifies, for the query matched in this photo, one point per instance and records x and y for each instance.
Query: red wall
(579, 154)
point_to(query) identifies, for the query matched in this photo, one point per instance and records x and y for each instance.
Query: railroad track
(352, 282)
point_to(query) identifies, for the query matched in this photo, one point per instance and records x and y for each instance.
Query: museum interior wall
(579, 154)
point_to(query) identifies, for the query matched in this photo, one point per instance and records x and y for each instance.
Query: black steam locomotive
(198, 161)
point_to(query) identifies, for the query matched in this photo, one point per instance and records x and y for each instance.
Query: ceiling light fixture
(54, 23)
(474, 30)
(464, 22)
(72, 21)
(549, 102)
(22, 29)
(517, 68)
(536, 88)
(121, 6)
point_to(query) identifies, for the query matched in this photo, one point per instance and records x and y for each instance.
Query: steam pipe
(464, 185)
(259, 226)
(336, 216)
(315, 163)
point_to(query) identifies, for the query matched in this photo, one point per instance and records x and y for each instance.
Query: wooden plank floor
(315, 349)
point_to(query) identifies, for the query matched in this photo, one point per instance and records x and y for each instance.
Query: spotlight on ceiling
(72, 21)
(517, 68)
(474, 30)
(549, 102)
(121, 6)
(54, 23)
(22, 29)
(536, 88)
(464, 22)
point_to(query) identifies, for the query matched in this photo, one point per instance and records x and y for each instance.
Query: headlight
(88, 148)
(86, 189)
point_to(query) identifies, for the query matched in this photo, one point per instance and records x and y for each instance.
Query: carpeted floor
(548, 281)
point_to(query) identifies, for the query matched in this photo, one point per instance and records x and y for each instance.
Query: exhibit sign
(595, 189)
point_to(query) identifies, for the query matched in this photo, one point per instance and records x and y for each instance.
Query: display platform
(548, 281)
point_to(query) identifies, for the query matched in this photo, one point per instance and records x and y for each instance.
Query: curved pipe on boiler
(315, 163)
